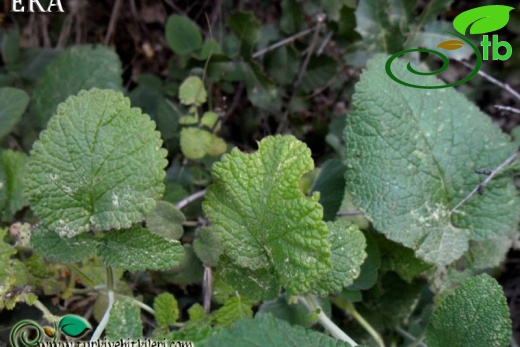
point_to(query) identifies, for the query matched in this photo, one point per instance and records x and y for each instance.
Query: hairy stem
(347, 306)
(110, 291)
(310, 302)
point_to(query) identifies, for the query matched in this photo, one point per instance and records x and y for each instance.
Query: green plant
(370, 241)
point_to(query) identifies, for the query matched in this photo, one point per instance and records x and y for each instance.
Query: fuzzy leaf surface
(411, 156)
(263, 219)
(166, 309)
(99, 165)
(475, 314)
(77, 68)
(267, 331)
(137, 249)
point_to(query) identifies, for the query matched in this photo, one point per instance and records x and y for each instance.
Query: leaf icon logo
(74, 326)
(483, 19)
(451, 45)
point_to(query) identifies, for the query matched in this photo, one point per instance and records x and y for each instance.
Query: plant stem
(310, 302)
(138, 303)
(416, 341)
(185, 202)
(47, 315)
(283, 42)
(347, 306)
(106, 316)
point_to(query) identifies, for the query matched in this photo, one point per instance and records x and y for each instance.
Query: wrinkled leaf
(124, 322)
(233, 310)
(420, 148)
(99, 165)
(266, 331)
(475, 314)
(166, 310)
(137, 249)
(262, 218)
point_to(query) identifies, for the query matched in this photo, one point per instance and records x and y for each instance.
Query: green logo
(480, 20)
(69, 325)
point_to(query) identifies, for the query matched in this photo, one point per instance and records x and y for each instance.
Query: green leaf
(183, 35)
(99, 165)
(124, 322)
(292, 18)
(166, 220)
(207, 246)
(262, 218)
(475, 314)
(415, 144)
(486, 254)
(259, 284)
(266, 331)
(399, 259)
(482, 19)
(12, 172)
(370, 267)
(11, 46)
(261, 91)
(188, 271)
(166, 310)
(6, 251)
(331, 185)
(247, 28)
(13, 103)
(347, 255)
(138, 249)
(209, 119)
(196, 143)
(320, 71)
(74, 326)
(64, 250)
(77, 68)
(233, 310)
(192, 91)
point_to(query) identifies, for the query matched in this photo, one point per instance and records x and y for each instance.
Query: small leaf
(138, 249)
(166, 220)
(247, 28)
(125, 321)
(451, 45)
(74, 326)
(12, 172)
(261, 216)
(209, 119)
(483, 19)
(192, 91)
(99, 164)
(183, 35)
(207, 246)
(188, 270)
(166, 310)
(195, 142)
(233, 310)
(475, 314)
(13, 103)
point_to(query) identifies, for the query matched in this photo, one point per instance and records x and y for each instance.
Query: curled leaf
(451, 45)
(483, 19)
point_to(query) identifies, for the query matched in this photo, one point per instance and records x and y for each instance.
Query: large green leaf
(13, 103)
(262, 217)
(266, 331)
(137, 249)
(99, 165)
(411, 156)
(474, 315)
(77, 68)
